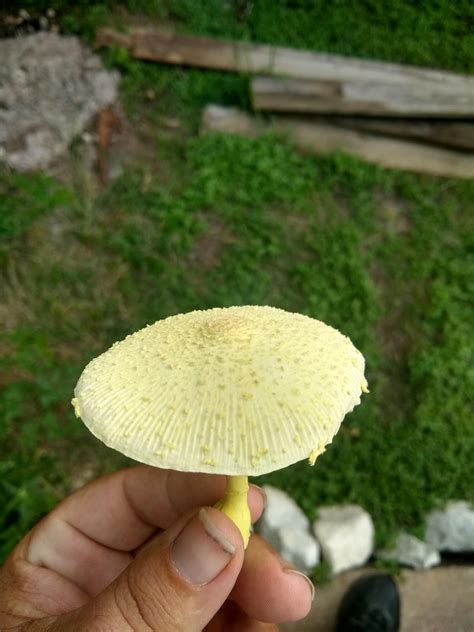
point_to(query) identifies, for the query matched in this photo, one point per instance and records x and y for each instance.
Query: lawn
(385, 256)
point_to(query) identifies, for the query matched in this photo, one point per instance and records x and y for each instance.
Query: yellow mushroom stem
(235, 504)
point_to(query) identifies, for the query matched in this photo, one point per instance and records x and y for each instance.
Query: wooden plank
(360, 97)
(108, 37)
(324, 138)
(437, 132)
(385, 151)
(158, 45)
(450, 133)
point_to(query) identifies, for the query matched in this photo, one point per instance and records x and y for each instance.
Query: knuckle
(144, 604)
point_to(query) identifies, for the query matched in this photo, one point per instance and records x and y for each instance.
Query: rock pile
(51, 87)
(344, 535)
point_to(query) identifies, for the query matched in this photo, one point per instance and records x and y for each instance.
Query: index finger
(124, 509)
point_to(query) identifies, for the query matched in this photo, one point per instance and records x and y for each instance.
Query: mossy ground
(385, 256)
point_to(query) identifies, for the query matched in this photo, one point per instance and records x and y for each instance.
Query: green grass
(435, 33)
(252, 221)
(385, 256)
(321, 574)
(34, 196)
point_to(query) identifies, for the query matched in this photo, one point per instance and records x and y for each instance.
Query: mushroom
(238, 391)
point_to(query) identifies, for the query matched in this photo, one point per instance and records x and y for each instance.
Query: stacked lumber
(325, 138)
(456, 134)
(420, 98)
(398, 116)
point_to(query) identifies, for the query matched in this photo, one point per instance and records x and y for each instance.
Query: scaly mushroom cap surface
(237, 391)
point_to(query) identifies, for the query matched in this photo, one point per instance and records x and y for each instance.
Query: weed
(391, 567)
(321, 574)
(22, 200)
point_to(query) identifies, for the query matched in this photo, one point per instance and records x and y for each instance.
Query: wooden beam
(217, 118)
(108, 37)
(449, 133)
(204, 52)
(324, 138)
(459, 135)
(357, 96)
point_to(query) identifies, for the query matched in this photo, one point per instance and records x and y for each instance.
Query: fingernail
(262, 492)
(201, 551)
(305, 577)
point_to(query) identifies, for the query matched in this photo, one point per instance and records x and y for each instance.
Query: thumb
(178, 581)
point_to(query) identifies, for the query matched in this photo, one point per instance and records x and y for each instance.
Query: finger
(231, 618)
(31, 592)
(87, 537)
(160, 497)
(178, 582)
(124, 509)
(60, 547)
(268, 588)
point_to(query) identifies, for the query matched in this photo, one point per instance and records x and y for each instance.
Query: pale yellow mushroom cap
(238, 391)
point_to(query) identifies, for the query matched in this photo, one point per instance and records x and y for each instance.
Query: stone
(452, 529)
(51, 87)
(346, 536)
(412, 552)
(297, 547)
(280, 511)
(287, 528)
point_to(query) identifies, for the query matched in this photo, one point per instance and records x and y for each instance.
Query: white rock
(452, 529)
(297, 547)
(286, 527)
(280, 511)
(411, 551)
(346, 536)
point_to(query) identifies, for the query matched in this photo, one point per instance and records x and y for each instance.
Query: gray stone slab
(51, 87)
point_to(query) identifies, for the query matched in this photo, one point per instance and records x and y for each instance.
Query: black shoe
(372, 604)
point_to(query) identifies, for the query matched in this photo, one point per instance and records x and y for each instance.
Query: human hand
(131, 552)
